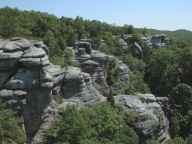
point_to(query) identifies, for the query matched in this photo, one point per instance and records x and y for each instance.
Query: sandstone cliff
(32, 85)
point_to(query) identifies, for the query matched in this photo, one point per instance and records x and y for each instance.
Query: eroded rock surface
(150, 120)
(31, 85)
(27, 79)
(78, 88)
(95, 63)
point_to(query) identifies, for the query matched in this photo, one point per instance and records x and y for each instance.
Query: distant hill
(58, 33)
(181, 35)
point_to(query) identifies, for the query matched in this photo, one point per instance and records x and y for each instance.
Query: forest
(164, 72)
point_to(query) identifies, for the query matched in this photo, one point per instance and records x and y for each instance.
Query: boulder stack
(27, 79)
(149, 118)
(95, 63)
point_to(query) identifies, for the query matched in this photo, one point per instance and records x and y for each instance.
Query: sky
(158, 14)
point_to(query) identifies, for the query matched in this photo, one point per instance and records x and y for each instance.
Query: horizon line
(103, 21)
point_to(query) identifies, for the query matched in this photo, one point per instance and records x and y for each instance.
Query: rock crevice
(32, 85)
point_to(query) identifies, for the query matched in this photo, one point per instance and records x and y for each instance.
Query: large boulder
(96, 66)
(150, 120)
(27, 81)
(137, 50)
(159, 40)
(78, 88)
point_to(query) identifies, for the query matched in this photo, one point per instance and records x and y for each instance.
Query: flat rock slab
(30, 62)
(151, 119)
(10, 93)
(34, 52)
(10, 55)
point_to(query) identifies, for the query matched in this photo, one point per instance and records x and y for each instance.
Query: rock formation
(27, 79)
(31, 85)
(78, 89)
(95, 63)
(150, 119)
(159, 41)
(144, 45)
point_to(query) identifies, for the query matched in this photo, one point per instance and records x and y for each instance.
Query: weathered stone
(31, 84)
(27, 79)
(6, 93)
(122, 44)
(84, 44)
(159, 41)
(11, 93)
(77, 88)
(89, 66)
(19, 93)
(99, 57)
(16, 44)
(151, 120)
(36, 62)
(40, 44)
(54, 70)
(21, 80)
(137, 50)
(34, 52)
(10, 55)
(4, 76)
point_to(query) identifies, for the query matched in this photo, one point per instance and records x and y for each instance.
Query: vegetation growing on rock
(163, 67)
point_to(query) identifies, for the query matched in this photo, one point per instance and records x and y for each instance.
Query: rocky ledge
(36, 89)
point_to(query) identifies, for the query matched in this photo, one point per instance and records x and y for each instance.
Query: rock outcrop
(143, 46)
(78, 89)
(27, 79)
(95, 63)
(159, 41)
(150, 120)
(32, 85)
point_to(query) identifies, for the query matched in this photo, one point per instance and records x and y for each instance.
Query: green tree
(177, 140)
(40, 28)
(69, 56)
(10, 130)
(129, 29)
(162, 71)
(111, 76)
(189, 140)
(181, 116)
(8, 22)
(97, 125)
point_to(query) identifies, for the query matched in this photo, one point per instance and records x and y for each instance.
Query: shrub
(98, 125)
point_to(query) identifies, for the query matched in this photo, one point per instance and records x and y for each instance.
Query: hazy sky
(160, 14)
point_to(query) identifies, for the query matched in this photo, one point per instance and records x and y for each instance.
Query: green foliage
(167, 68)
(152, 142)
(109, 47)
(181, 96)
(8, 22)
(160, 69)
(69, 56)
(10, 130)
(136, 75)
(189, 140)
(161, 72)
(181, 116)
(177, 140)
(129, 29)
(58, 60)
(135, 64)
(136, 84)
(101, 124)
(111, 71)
